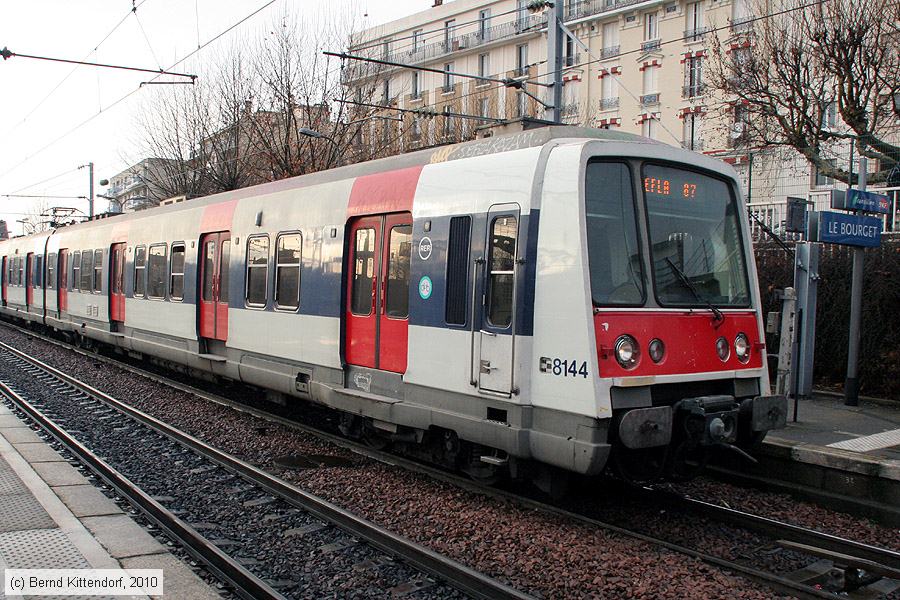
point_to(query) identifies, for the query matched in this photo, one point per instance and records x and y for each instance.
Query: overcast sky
(44, 134)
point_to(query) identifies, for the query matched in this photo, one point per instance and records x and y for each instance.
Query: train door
(377, 311)
(29, 288)
(5, 276)
(498, 314)
(62, 269)
(215, 256)
(117, 284)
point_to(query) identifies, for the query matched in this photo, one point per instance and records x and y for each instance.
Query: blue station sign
(854, 199)
(849, 230)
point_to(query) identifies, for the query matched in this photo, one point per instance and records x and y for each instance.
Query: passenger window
(287, 271)
(51, 271)
(21, 271)
(397, 293)
(176, 280)
(87, 270)
(257, 270)
(457, 270)
(76, 270)
(363, 271)
(63, 270)
(98, 271)
(209, 273)
(156, 272)
(38, 270)
(140, 265)
(502, 265)
(224, 272)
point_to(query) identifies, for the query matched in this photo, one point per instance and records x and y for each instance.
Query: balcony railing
(609, 103)
(610, 52)
(650, 45)
(695, 35)
(649, 99)
(693, 90)
(572, 60)
(585, 8)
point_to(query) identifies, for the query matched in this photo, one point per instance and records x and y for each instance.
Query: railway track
(851, 558)
(376, 552)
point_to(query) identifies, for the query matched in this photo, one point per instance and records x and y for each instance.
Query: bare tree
(788, 69)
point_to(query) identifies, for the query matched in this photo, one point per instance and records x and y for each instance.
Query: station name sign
(860, 200)
(849, 230)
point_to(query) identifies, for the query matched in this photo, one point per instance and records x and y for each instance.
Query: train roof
(482, 147)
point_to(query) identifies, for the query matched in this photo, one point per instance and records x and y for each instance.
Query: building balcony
(649, 45)
(586, 8)
(610, 52)
(650, 99)
(609, 103)
(693, 90)
(695, 35)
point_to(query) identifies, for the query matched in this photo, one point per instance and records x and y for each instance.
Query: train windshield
(613, 250)
(695, 239)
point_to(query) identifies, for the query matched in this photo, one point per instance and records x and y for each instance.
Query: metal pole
(786, 343)
(851, 385)
(91, 197)
(554, 61)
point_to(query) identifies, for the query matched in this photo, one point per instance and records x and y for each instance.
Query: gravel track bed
(299, 555)
(539, 553)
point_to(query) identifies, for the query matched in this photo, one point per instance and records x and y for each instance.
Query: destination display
(849, 230)
(663, 187)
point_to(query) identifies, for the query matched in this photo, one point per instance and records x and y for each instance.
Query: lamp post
(321, 136)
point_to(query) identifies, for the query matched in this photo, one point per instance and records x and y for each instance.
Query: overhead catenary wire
(48, 179)
(137, 89)
(6, 53)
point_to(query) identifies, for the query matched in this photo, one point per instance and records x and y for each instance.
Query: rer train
(556, 300)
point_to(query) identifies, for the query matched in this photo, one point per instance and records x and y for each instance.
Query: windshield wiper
(718, 317)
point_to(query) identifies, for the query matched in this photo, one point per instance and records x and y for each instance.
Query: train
(554, 302)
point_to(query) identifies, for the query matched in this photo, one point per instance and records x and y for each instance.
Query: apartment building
(644, 72)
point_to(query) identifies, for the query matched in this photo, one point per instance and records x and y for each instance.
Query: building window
(257, 270)
(449, 27)
(829, 115)
(448, 122)
(416, 129)
(386, 91)
(386, 49)
(609, 89)
(288, 249)
(521, 60)
(484, 107)
(397, 293)
(692, 135)
(569, 58)
(484, 65)
(693, 77)
(694, 28)
(98, 271)
(521, 107)
(610, 39)
(651, 27)
(417, 41)
(176, 279)
(416, 92)
(156, 272)
(650, 79)
(76, 270)
(448, 77)
(649, 127)
(87, 270)
(140, 258)
(484, 24)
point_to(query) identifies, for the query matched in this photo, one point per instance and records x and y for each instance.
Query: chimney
(437, 3)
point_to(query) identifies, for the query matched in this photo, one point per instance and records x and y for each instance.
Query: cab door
(62, 289)
(215, 257)
(117, 284)
(29, 276)
(497, 335)
(377, 310)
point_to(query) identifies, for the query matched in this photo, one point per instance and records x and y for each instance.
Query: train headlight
(627, 351)
(742, 347)
(656, 350)
(723, 349)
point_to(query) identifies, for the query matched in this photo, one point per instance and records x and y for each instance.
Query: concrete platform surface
(53, 517)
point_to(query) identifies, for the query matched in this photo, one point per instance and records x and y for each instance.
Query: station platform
(848, 454)
(52, 517)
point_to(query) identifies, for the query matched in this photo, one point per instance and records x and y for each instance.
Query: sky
(56, 117)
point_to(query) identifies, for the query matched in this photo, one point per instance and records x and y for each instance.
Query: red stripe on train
(381, 193)
(689, 337)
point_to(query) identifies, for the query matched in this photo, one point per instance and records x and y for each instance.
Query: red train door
(117, 283)
(62, 268)
(215, 257)
(377, 311)
(5, 276)
(29, 288)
